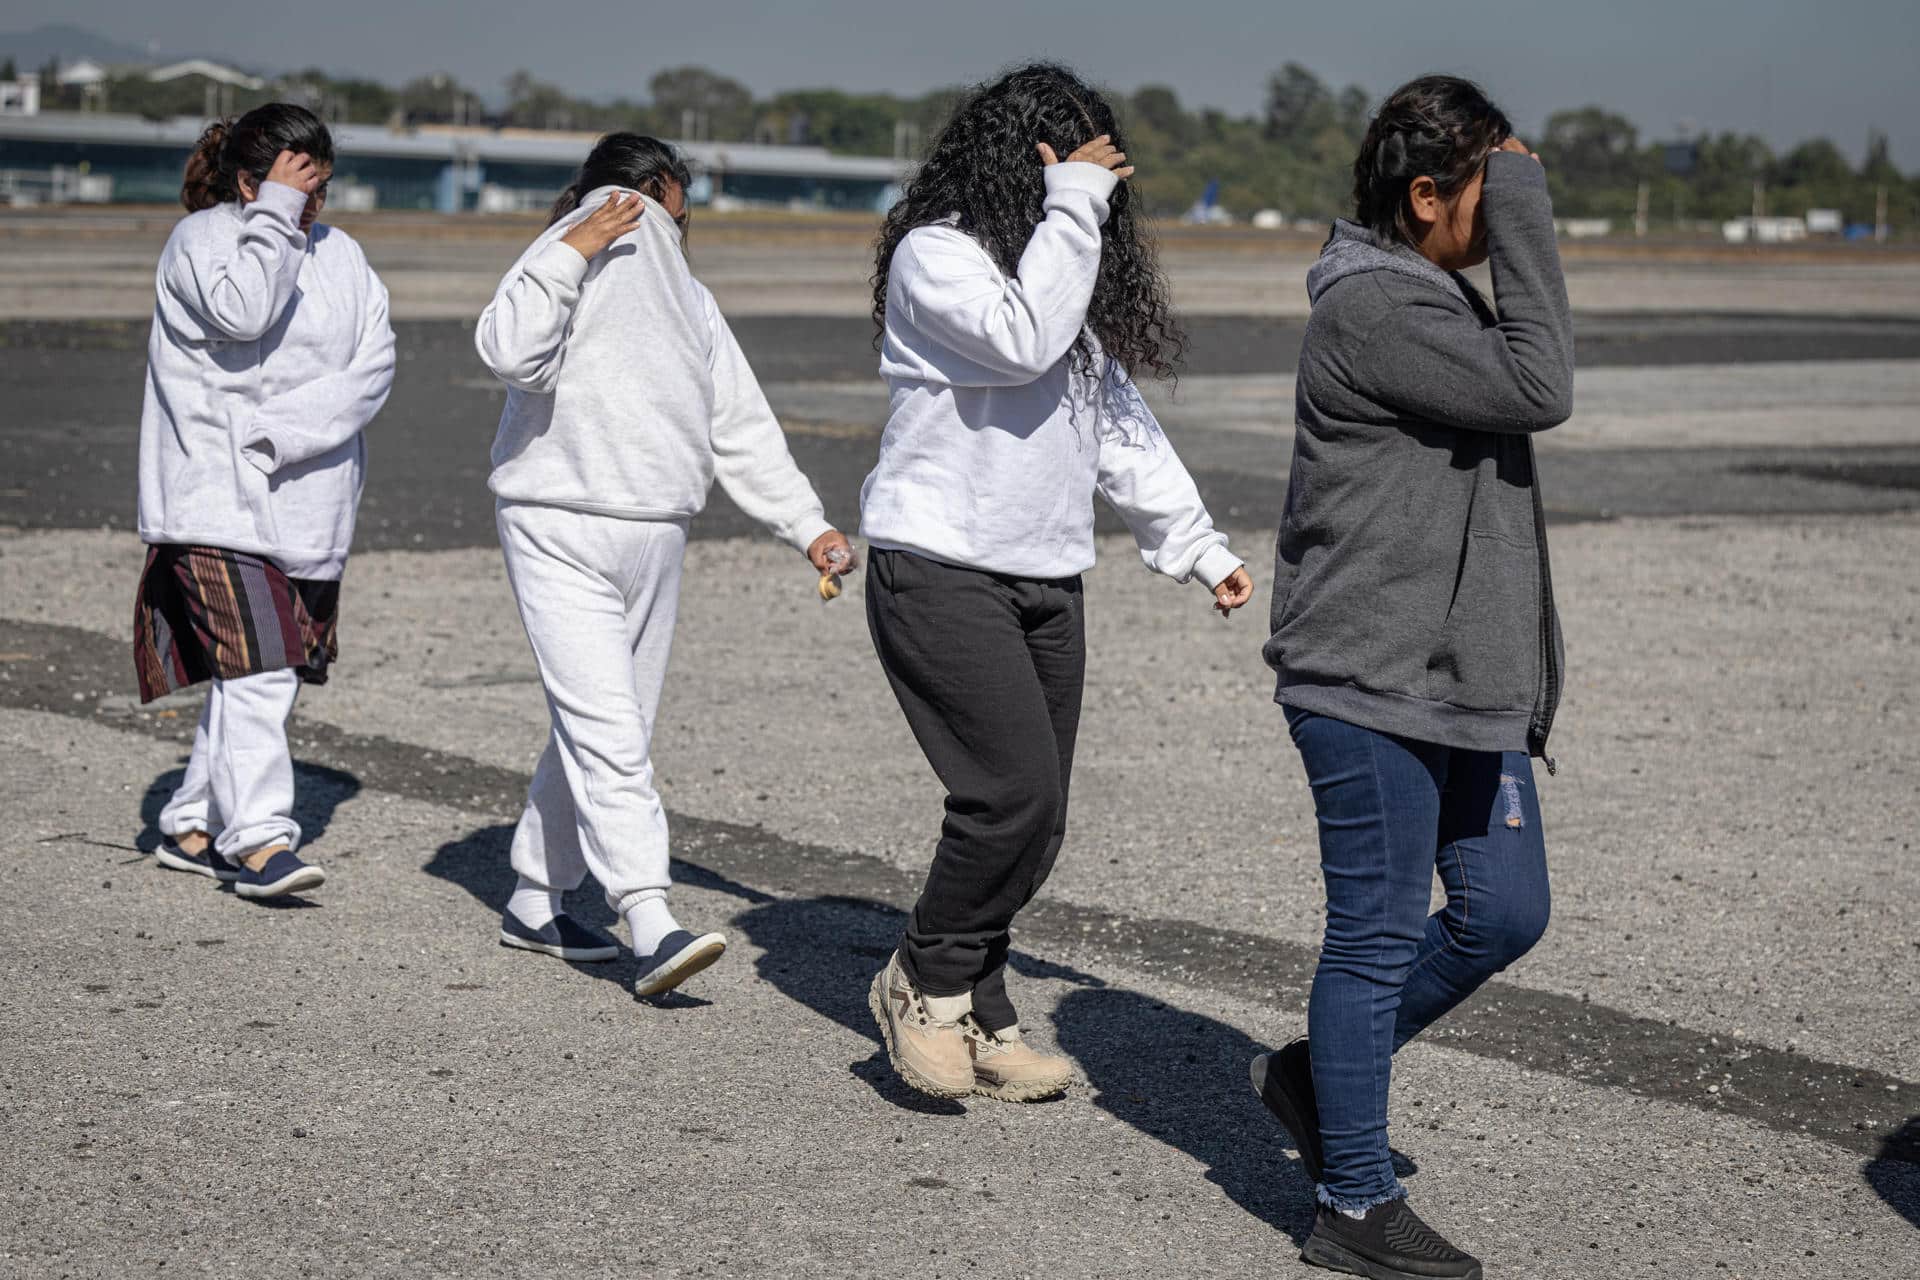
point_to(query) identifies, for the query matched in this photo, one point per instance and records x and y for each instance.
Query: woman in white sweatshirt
(1011, 329)
(627, 395)
(270, 352)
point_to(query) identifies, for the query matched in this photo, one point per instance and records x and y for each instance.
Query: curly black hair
(984, 167)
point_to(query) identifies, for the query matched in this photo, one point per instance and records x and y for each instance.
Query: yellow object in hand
(829, 586)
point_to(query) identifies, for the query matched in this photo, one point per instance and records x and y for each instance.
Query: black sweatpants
(988, 669)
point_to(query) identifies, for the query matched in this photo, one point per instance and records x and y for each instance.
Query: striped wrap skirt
(209, 613)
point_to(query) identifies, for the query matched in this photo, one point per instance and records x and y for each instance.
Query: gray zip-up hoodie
(1411, 590)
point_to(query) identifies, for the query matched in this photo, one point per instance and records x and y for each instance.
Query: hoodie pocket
(1488, 654)
(256, 489)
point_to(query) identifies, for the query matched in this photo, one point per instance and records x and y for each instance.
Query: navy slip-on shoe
(205, 863)
(283, 874)
(679, 956)
(1284, 1081)
(563, 936)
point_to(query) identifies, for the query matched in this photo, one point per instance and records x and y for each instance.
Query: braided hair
(1440, 127)
(983, 168)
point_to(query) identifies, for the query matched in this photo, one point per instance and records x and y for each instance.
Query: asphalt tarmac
(71, 414)
(1710, 1067)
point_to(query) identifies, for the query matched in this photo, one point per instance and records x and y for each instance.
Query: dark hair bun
(1440, 127)
(228, 148)
(1390, 161)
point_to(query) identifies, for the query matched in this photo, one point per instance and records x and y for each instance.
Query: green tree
(1728, 167)
(1298, 104)
(713, 105)
(855, 124)
(535, 104)
(439, 99)
(1594, 162)
(1813, 163)
(361, 101)
(1157, 108)
(1879, 164)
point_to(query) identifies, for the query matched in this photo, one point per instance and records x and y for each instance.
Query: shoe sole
(702, 953)
(180, 862)
(877, 1003)
(304, 878)
(1335, 1257)
(1281, 1108)
(587, 955)
(1029, 1091)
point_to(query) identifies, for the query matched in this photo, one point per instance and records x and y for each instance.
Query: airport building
(130, 159)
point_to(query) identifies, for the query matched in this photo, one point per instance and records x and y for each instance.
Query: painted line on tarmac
(83, 674)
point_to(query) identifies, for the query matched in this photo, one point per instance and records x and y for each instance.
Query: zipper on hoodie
(1547, 690)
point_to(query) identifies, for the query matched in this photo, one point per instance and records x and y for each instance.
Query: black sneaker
(1390, 1243)
(283, 873)
(204, 863)
(679, 956)
(1284, 1081)
(562, 936)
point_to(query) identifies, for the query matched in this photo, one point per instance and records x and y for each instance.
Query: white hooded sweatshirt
(270, 352)
(996, 444)
(627, 393)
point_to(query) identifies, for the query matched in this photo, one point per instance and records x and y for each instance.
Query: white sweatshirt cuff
(284, 201)
(807, 532)
(258, 448)
(559, 261)
(1078, 175)
(1215, 565)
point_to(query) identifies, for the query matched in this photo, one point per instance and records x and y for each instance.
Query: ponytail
(567, 202)
(202, 185)
(1440, 127)
(228, 148)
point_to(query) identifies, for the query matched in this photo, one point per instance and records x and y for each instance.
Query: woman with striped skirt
(270, 352)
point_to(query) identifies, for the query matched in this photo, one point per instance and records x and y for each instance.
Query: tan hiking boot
(1005, 1068)
(923, 1035)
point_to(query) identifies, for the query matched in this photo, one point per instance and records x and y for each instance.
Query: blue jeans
(1391, 812)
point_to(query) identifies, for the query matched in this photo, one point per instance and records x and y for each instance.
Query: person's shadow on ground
(317, 792)
(823, 952)
(479, 863)
(1894, 1174)
(1181, 1078)
(1167, 1072)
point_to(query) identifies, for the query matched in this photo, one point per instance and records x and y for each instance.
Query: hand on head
(1100, 151)
(592, 234)
(1518, 148)
(295, 169)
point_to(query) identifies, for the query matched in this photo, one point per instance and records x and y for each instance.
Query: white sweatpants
(598, 596)
(238, 786)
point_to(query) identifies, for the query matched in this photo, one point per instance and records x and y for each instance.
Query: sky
(1787, 71)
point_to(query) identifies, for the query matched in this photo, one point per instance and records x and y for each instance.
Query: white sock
(648, 921)
(533, 905)
(948, 1008)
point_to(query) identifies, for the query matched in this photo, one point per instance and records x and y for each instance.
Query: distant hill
(32, 49)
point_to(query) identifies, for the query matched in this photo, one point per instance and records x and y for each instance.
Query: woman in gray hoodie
(1413, 628)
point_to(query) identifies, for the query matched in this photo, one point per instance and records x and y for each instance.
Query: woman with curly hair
(1011, 328)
